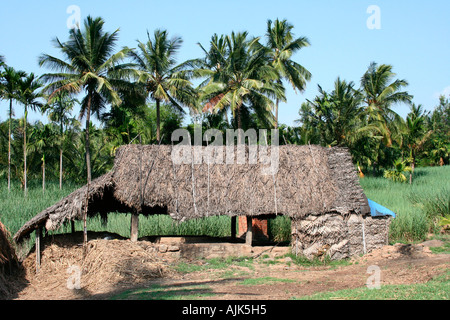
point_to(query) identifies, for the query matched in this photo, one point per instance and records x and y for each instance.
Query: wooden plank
(233, 227)
(38, 249)
(249, 234)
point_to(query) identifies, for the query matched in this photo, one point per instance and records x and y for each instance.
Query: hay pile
(8, 263)
(107, 265)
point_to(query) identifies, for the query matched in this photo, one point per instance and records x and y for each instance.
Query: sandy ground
(111, 266)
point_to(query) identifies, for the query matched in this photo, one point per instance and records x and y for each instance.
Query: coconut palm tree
(29, 95)
(10, 84)
(246, 80)
(158, 71)
(42, 138)
(89, 65)
(381, 92)
(335, 116)
(415, 133)
(282, 45)
(60, 108)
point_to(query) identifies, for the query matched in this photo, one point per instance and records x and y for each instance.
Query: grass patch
(436, 289)
(263, 280)
(445, 249)
(316, 262)
(214, 264)
(411, 203)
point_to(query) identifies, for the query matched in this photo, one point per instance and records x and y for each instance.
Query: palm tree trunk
(9, 146)
(60, 168)
(43, 173)
(88, 144)
(276, 113)
(61, 156)
(25, 152)
(158, 120)
(239, 124)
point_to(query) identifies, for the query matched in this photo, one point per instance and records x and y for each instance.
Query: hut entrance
(259, 228)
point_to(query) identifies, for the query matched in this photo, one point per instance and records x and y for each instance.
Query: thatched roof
(144, 179)
(8, 258)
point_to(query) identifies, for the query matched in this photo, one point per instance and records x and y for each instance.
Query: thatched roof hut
(309, 180)
(316, 187)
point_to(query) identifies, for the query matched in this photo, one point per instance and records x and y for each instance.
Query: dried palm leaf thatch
(8, 258)
(308, 180)
(8, 262)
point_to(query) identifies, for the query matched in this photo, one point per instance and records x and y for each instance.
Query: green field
(415, 205)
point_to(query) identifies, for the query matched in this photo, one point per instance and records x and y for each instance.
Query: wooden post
(38, 249)
(233, 227)
(249, 234)
(134, 227)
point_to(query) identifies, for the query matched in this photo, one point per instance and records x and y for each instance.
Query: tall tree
(439, 123)
(42, 140)
(60, 108)
(381, 93)
(158, 71)
(415, 133)
(89, 65)
(245, 80)
(10, 83)
(282, 45)
(29, 96)
(335, 116)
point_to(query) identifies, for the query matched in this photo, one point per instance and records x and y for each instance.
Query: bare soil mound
(398, 251)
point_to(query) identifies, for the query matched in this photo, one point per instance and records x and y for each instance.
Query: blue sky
(413, 36)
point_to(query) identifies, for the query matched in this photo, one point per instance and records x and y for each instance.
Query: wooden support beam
(38, 249)
(249, 234)
(134, 227)
(233, 227)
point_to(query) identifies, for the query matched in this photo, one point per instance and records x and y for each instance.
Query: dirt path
(113, 267)
(282, 282)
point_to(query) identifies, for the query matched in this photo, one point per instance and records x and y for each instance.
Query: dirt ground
(111, 266)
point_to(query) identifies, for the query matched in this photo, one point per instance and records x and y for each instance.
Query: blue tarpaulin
(377, 210)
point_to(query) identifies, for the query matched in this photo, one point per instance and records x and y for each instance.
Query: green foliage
(397, 174)
(412, 223)
(279, 229)
(160, 76)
